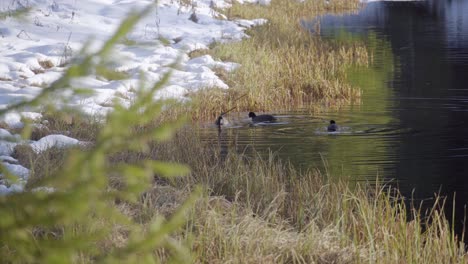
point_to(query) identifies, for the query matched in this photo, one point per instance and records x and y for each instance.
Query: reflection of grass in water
(375, 92)
(373, 79)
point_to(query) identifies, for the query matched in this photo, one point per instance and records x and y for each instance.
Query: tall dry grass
(266, 211)
(256, 210)
(284, 66)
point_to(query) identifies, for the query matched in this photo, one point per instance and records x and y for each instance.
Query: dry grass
(265, 211)
(38, 70)
(46, 64)
(284, 67)
(64, 122)
(235, 236)
(40, 165)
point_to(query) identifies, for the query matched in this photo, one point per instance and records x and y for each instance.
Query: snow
(6, 147)
(4, 133)
(17, 170)
(35, 50)
(50, 141)
(21, 172)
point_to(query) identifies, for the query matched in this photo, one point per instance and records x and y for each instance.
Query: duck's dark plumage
(219, 121)
(332, 127)
(261, 118)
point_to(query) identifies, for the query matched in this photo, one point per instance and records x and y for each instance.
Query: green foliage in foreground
(75, 220)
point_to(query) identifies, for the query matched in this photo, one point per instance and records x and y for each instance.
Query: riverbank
(284, 66)
(279, 65)
(262, 211)
(42, 39)
(249, 210)
(255, 210)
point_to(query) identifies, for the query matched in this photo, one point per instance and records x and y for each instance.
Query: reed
(259, 210)
(284, 66)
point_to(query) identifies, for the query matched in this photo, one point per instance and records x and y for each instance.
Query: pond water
(419, 86)
(412, 125)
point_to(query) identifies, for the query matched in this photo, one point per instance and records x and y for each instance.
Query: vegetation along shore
(284, 66)
(150, 190)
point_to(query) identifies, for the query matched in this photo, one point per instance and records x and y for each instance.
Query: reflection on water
(412, 126)
(430, 43)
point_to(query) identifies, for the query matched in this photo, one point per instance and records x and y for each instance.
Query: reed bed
(284, 66)
(257, 210)
(265, 211)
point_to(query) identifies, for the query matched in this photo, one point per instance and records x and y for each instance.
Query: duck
(332, 127)
(221, 121)
(261, 118)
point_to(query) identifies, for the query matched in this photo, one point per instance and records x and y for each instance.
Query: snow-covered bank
(35, 51)
(32, 51)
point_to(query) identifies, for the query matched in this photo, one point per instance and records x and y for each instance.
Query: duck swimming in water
(261, 118)
(221, 121)
(332, 127)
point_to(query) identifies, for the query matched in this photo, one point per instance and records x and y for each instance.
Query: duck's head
(332, 122)
(252, 114)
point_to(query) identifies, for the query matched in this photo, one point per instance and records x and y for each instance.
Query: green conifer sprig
(68, 222)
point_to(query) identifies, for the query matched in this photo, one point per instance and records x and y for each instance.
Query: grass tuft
(46, 64)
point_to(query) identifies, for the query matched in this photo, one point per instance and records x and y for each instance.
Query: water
(412, 126)
(427, 91)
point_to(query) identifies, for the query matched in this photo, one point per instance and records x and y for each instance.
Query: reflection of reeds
(283, 65)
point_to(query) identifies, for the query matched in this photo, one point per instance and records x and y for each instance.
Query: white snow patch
(8, 159)
(44, 189)
(32, 115)
(50, 141)
(13, 120)
(14, 188)
(5, 133)
(21, 172)
(17, 170)
(34, 53)
(6, 148)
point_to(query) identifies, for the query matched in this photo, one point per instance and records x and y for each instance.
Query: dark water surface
(426, 91)
(412, 125)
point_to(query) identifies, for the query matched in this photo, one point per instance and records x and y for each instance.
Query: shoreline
(34, 59)
(39, 62)
(136, 193)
